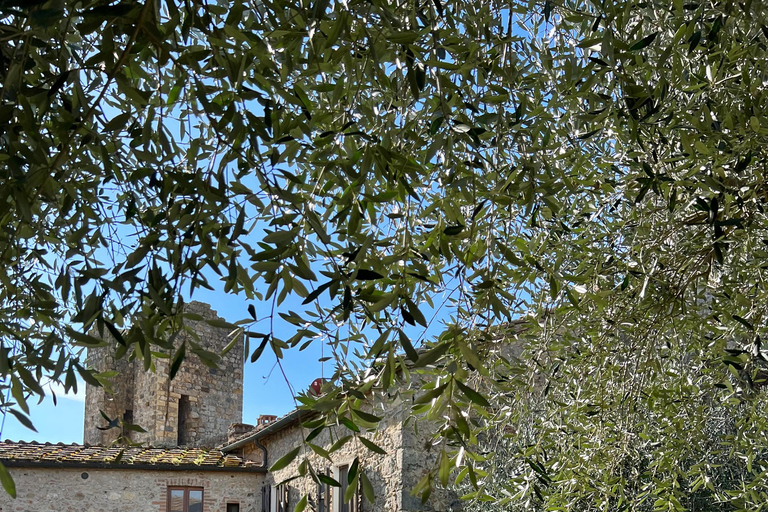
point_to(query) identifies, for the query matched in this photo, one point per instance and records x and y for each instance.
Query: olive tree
(437, 181)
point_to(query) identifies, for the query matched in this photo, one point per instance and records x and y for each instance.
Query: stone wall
(125, 490)
(210, 398)
(421, 449)
(382, 470)
(419, 456)
(392, 476)
(114, 404)
(148, 411)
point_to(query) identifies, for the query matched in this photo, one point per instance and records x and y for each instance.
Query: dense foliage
(424, 175)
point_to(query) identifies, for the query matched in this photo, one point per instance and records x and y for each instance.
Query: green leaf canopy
(434, 177)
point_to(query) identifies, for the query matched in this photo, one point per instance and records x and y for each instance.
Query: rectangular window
(266, 501)
(324, 497)
(183, 436)
(195, 501)
(127, 420)
(343, 480)
(279, 498)
(341, 474)
(233, 507)
(185, 499)
(176, 500)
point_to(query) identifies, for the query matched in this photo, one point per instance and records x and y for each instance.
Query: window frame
(182, 420)
(266, 498)
(185, 500)
(324, 500)
(279, 498)
(341, 472)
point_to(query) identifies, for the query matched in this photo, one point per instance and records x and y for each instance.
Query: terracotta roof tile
(242, 436)
(250, 432)
(33, 453)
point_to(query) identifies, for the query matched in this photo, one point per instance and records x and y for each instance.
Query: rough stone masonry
(194, 409)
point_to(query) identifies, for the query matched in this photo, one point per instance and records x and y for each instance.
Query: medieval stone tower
(194, 409)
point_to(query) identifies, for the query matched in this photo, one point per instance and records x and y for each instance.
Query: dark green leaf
(368, 492)
(372, 446)
(743, 322)
(365, 416)
(7, 481)
(318, 291)
(367, 275)
(327, 480)
(473, 395)
(410, 352)
(178, 358)
(431, 394)
(339, 443)
(22, 419)
(643, 42)
(301, 505)
(257, 353)
(453, 230)
(432, 355)
(286, 459)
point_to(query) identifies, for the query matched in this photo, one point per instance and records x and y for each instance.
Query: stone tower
(194, 409)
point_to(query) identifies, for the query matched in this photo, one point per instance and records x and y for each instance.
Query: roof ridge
(35, 454)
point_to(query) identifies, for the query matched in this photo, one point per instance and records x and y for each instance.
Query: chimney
(265, 419)
(236, 430)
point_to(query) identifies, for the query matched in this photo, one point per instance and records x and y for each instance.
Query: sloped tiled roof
(75, 455)
(261, 431)
(244, 435)
(248, 433)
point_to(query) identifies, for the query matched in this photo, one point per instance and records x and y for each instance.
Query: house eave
(11, 463)
(286, 421)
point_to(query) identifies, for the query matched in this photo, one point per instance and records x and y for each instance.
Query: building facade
(194, 409)
(408, 456)
(174, 467)
(77, 478)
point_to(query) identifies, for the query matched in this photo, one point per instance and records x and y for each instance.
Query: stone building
(194, 409)
(76, 478)
(173, 466)
(392, 475)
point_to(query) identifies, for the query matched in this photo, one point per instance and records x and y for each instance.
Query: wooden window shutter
(282, 498)
(324, 494)
(354, 503)
(265, 498)
(321, 497)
